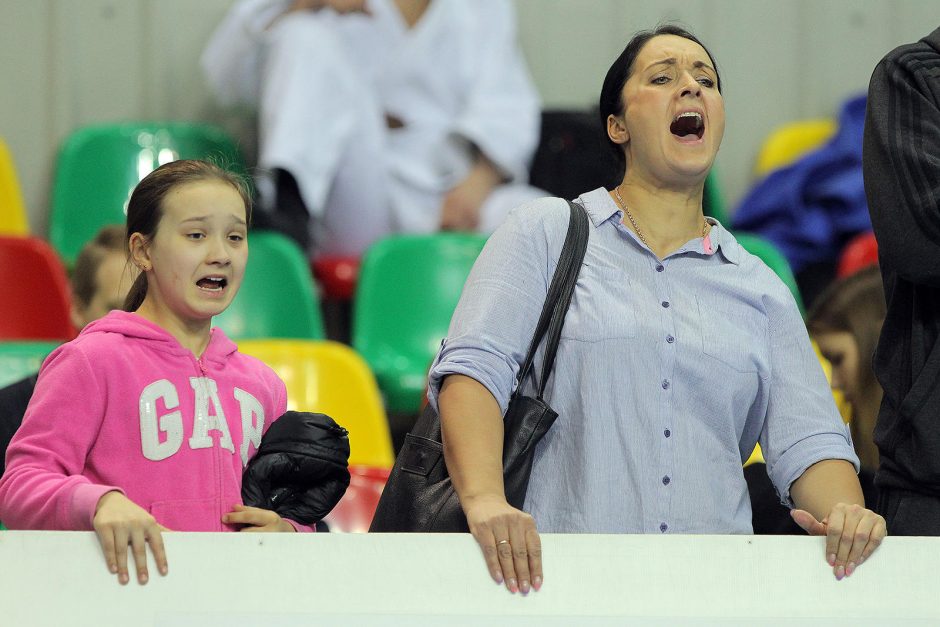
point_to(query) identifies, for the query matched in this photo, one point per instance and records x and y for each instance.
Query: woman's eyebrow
(671, 61)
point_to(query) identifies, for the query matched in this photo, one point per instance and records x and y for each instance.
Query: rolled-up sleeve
(803, 425)
(501, 301)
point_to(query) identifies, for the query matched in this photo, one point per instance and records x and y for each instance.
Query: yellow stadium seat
(789, 142)
(12, 210)
(757, 456)
(331, 378)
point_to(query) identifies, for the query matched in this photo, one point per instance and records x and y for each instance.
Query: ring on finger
(501, 542)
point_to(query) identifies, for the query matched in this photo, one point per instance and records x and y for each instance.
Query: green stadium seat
(21, 359)
(713, 203)
(407, 292)
(277, 298)
(771, 255)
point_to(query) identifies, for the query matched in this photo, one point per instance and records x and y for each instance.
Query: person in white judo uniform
(381, 116)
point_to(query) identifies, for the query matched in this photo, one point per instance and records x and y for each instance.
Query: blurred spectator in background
(902, 181)
(380, 116)
(846, 322)
(100, 280)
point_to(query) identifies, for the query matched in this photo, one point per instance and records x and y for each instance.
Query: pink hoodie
(125, 406)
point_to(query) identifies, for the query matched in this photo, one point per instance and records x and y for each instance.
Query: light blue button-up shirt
(667, 373)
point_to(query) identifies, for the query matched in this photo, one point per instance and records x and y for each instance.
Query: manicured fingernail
(163, 570)
(498, 578)
(122, 578)
(142, 579)
(112, 568)
(831, 559)
(840, 572)
(524, 587)
(850, 568)
(861, 560)
(513, 586)
(536, 583)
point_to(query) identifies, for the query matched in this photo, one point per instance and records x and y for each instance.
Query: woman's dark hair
(145, 207)
(84, 279)
(611, 100)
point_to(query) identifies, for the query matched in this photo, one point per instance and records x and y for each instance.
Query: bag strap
(558, 297)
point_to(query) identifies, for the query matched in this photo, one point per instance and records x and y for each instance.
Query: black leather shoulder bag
(419, 495)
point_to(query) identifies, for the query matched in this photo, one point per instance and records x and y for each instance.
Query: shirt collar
(723, 241)
(601, 208)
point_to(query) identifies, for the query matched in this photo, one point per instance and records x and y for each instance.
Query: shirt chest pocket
(602, 306)
(734, 334)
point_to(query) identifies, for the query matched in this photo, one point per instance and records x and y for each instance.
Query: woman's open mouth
(688, 126)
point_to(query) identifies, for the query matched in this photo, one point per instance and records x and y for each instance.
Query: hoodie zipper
(216, 454)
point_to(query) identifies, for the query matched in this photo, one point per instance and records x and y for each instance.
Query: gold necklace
(636, 227)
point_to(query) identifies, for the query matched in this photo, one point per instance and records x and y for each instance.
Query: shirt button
(666, 480)
(660, 268)
(670, 339)
(663, 527)
(667, 433)
(665, 384)
(665, 304)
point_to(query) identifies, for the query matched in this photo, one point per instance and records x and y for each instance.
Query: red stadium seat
(859, 253)
(34, 290)
(337, 276)
(354, 512)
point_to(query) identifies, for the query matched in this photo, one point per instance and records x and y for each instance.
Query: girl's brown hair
(145, 207)
(856, 305)
(84, 279)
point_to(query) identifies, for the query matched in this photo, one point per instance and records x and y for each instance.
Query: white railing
(59, 578)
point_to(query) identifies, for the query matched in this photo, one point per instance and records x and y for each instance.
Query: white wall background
(65, 63)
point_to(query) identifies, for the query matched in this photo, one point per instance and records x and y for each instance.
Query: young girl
(145, 422)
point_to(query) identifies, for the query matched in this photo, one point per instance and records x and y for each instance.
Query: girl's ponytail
(138, 292)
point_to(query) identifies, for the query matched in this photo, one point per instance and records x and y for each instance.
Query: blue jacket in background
(812, 207)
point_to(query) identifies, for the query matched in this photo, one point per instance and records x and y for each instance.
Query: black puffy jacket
(300, 470)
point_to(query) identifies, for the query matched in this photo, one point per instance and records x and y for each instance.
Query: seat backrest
(787, 143)
(21, 359)
(859, 253)
(99, 166)
(775, 260)
(277, 297)
(35, 291)
(407, 292)
(354, 512)
(331, 378)
(713, 203)
(12, 210)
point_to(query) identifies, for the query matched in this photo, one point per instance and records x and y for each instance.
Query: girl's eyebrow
(239, 221)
